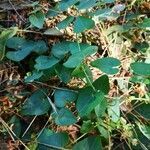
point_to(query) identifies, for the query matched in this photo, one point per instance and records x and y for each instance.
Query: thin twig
(43, 128)
(29, 126)
(16, 11)
(11, 132)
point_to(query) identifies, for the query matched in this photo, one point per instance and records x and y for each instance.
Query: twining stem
(83, 68)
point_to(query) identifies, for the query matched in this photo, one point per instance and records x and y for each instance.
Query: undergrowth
(75, 75)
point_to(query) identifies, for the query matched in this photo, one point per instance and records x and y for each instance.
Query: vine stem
(88, 79)
(80, 138)
(54, 87)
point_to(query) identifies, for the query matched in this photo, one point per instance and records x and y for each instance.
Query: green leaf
(143, 142)
(83, 23)
(102, 84)
(18, 55)
(76, 58)
(16, 42)
(34, 76)
(64, 23)
(53, 140)
(19, 43)
(61, 49)
(87, 101)
(39, 46)
(103, 128)
(45, 62)
(86, 4)
(87, 126)
(63, 73)
(65, 117)
(53, 32)
(108, 65)
(53, 12)
(80, 72)
(4, 36)
(24, 48)
(145, 24)
(62, 97)
(142, 46)
(141, 68)
(75, 47)
(36, 104)
(47, 74)
(145, 129)
(101, 108)
(37, 19)
(140, 79)
(143, 109)
(65, 4)
(89, 143)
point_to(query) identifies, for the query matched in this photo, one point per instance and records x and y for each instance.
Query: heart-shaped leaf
(59, 50)
(45, 62)
(141, 68)
(101, 108)
(83, 23)
(64, 23)
(108, 65)
(65, 4)
(87, 101)
(37, 19)
(18, 55)
(86, 4)
(19, 43)
(76, 58)
(82, 72)
(24, 48)
(53, 12)
(62, 97)
(36, 104)
(16, 42)
(65, 117)
(63, 73)
(89, 143)
(102, 84)
(50, 140)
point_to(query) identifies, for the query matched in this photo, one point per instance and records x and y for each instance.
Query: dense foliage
(78, 76)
